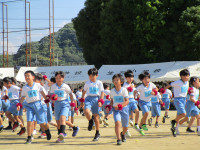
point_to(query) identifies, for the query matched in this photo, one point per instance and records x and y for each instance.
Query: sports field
(155, 139)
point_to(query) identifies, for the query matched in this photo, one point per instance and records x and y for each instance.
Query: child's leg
(69, 118)
(87, 114)
(29, 128)
(183, 120)
(179, 117)
(9, 116)
(19, 121)
(166, 112)
(157, 118)
(53, 123)
(1, 121)
(117, 129)
(132, 115)
(124, 130)
(22, 120)
(144, 119)
(96, 119)
(192, 121)
(62, 124)
(137, 113)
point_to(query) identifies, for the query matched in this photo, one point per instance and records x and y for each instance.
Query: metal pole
(3, 31)
(30, 32)
(50, 29)
(53, 30)
(26, 36)
(7, 31)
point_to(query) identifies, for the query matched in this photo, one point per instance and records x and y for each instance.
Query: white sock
(178, 125)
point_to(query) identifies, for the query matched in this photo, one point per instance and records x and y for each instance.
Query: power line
(12, 1)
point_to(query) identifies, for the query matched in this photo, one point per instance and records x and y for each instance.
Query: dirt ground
(156, 138)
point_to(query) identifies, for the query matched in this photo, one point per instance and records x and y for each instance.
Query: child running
(34, 106)
(94, 100)
(180, 92)
(119, 102)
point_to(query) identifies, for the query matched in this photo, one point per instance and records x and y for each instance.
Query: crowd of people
(41, 97)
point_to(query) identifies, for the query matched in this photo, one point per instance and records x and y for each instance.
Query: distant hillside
(66, 46)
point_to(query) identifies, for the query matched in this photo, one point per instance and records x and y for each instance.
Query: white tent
(74, 74)
(6, 72)
(159, 71)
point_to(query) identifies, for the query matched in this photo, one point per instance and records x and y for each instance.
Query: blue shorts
(1, 105)
(13, 108)
(191, 109)
(91, 102)
(104, 110)
(61, 108)
(167, 102)
(35, 109)
(45, 112)
(179, 103)
(5, 105)
(155, 109)
(144, 106)
(71, 113)
(132, 106)
(122, 116)
(49, 113)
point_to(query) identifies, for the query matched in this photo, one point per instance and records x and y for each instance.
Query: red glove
(53, 97)
(197, 103)
(44, 77)
(190, 90)
(162, 91)
(52, 104)
(82, 100)
(137, 99)
(47, 101)
(120, 107)
(19, 104)
(130, 89)
(72, 104)
(109, 107)
(76, 110)
(6, 97)
(163, 104)
(107, 96)
(101, 101)
(155, 91)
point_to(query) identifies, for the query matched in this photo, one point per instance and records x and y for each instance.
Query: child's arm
(21, 101)
(101, 97)
(48, 81)
(83, 94)
(126, 101)
(168, 86)
(43, 95)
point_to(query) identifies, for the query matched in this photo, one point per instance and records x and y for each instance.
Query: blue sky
(64, 11)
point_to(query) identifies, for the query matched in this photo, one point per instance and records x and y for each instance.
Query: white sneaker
(128, 134)
(131, 123)
(34, 132)
(137, 128)
(177, 131)
(105, 122)
(100, 120)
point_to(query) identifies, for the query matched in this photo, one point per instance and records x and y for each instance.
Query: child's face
(29, 78)
(117, 82)
(59, 79)
(185, 78)
(129, 79)
(93, 78)
(37, 81)
(196, 83)
(146, 81)
(6, 84)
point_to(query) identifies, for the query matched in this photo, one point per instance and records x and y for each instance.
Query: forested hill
(66, 47)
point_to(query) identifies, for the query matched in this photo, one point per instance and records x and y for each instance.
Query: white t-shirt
(74, 97)
(180, 88)
(79, 94)
(145, 92)
(32, 94)
(167, 94)
(13, 92)
(107, 92)
(195, 93)
(118, 96)
(131, 94)
(3, 91)
(93, 89)
(155, 99)
(63, 91)
(47, 88)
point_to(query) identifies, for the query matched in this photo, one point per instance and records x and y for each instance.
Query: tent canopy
(6, 72)
(73, 74)
(159, 71)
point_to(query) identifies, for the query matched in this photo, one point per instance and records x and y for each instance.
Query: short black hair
(165, 84)
(1, 84)
(105, 85)
(7, 80)
(93, 71)
(192, 79)
(118, 76)
(38, 76)
(134, 82)
(144, 75)
(31, 72)
(80, 87)
(75, 90)
(14, 80)
(184, 72)
(61, 73)
(53, 79)
(129, 73)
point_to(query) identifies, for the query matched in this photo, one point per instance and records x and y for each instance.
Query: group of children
(122, 101)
